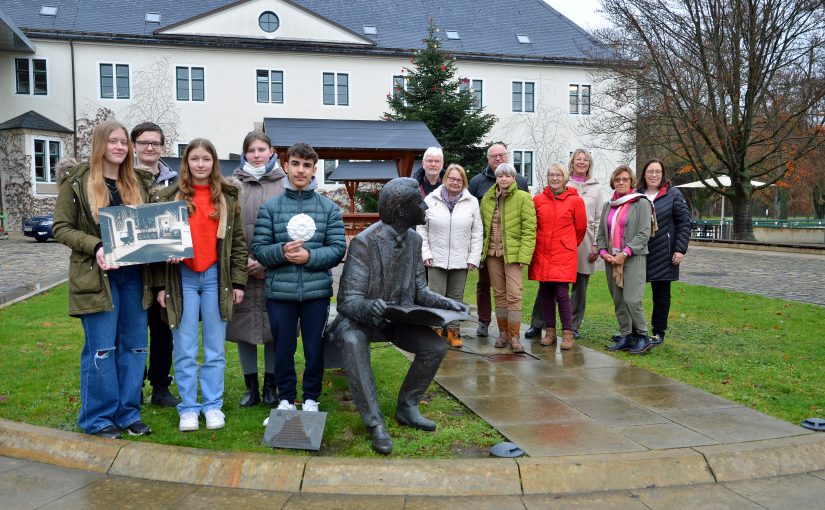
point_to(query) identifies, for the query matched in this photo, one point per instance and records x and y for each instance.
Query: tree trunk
(742, 224)
(818, 201)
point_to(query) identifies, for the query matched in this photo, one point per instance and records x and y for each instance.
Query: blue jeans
(283, 319)
(113, 356)
(200, 298)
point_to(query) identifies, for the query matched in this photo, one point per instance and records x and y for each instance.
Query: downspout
(74, 100)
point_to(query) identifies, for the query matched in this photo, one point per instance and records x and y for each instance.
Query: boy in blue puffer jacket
(299, 237)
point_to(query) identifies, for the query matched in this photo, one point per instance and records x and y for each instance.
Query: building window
(270, 86)
(477, 88)
(181, 149)
(46, 155)
(399, 83)
(524, 96)
(190, 83)
(114, 81)
(269, 22)
(580, 99)
(523, 163)
(329, 166)
(31, 76)
(336, 89)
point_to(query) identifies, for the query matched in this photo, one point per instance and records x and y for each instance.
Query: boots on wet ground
(549, 337)
(567, 339)
(251, 397)
(268, 393)
(454, 338)
(503, 334)
(515, 336)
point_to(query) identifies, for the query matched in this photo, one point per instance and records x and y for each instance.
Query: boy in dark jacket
(299, 237)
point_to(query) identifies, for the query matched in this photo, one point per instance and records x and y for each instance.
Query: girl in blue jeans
(111, 301)
(206, 286)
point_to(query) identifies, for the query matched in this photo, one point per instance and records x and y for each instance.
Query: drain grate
(509, 357)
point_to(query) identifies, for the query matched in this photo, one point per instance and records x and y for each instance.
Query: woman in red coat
(561, 223)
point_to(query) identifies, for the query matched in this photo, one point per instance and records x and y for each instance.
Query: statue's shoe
(381, 441)
(411, 417)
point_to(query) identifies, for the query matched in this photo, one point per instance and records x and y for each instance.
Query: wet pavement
(27, 265)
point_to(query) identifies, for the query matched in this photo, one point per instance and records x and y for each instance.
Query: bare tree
(85, 129)
(731, 87)
(540, 131)
(153, 101)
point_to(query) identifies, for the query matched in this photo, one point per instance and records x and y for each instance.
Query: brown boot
(567, 339)
(503, 334)
(454, 337)
(549, 337)
(515, 335)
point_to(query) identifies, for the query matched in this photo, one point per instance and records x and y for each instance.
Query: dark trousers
(160, 349)
(552, 293)
(578, 301)
(283, 317)
(661, 306)
(485, 310)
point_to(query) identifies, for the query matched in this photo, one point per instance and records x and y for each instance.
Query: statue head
(400, 204)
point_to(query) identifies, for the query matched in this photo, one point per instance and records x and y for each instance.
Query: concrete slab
(818, 474)
(464, 366)
(623, 375)
(57, 447)
(531, 368)
(735, 424)
(706, 497)
(413, 477)
(464, 503)
(586, 473)
(567, 386)
(32, 485)
(116, 492)
(791, 491)
(7, 463)
(534, 408)
(760, 459)
(674, 397)
(208, 467)
(218, 497)
(608, 501)
(579, 437)
(614, 411)
(579, 358)
(486, 385)
(343, 501)
(664, 435)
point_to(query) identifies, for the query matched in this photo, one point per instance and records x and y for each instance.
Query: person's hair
(491, 147)
(643, 182)
(620, 169)
(127, 181)
(589, 159)
(565, 174)
(393, 195)
(506, 168)
(256, 136)
(433, 151)
(186, 189)
(144, 127)
(303, 151)
(461, 172)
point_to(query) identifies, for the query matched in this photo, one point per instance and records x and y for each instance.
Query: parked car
(39, 227)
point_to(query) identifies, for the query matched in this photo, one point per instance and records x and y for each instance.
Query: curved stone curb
(481, 477)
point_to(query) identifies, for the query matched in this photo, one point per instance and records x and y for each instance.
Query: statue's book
(140, 234)
(423, 316)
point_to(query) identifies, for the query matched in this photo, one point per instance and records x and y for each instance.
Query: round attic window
(268, 21)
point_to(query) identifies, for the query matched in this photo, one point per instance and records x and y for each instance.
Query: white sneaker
(214, 419)
(310, 405)
(188, 422)
(284, 405)
(266, 421)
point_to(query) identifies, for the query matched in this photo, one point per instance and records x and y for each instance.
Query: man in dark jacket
(431, 173)
(479, 184)
(148, 140)
(384, 267)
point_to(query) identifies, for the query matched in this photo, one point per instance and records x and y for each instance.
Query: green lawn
(763, 353)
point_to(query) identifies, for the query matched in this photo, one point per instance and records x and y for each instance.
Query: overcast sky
(582, 12)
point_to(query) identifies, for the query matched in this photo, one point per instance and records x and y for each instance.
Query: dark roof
(364, 171)
(228, 166)
(33, 120)
(351, 134)
(11, 38)
(485, 27)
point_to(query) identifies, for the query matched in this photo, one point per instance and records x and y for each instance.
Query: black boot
(418, 379)
(251, 397)
(625, 343)
(268, 394)
(532, 332)
(642, 345)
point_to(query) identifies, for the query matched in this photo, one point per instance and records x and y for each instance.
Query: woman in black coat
(668, 246)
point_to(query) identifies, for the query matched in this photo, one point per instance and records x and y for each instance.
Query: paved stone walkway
(26, 485)
(27, 265)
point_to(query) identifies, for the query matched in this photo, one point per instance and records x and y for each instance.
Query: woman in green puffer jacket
(509, 218)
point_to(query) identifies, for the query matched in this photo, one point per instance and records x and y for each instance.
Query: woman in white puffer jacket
(452, 239)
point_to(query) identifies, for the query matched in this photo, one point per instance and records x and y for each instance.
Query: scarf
(258, 171)
(617, 220)
(449, 202)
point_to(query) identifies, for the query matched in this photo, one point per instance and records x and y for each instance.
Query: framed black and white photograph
(140, 234)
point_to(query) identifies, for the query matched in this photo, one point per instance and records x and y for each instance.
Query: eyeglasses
(621, 179)
(499, 156)
(143, 145)
(455, 179)
(653, 172)
(555, 176)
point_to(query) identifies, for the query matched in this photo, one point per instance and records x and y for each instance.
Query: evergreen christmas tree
(432, 93)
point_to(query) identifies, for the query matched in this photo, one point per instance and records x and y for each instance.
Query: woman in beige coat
(260, 178)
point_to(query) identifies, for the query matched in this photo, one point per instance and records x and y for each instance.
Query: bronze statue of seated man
(384, 267)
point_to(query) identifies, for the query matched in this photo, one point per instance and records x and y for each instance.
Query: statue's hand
(459, 307)
(377, 308)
